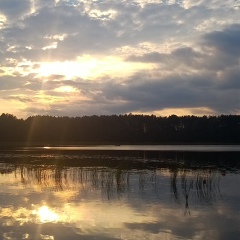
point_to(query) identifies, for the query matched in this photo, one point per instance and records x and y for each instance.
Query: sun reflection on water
(46, 147)
(46, 215)
(65, 202)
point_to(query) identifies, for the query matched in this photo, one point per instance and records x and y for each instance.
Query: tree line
(119, 129)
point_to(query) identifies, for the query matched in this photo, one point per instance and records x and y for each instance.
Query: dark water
(120, 193)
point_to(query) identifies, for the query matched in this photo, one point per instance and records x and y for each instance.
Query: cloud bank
(112, 57)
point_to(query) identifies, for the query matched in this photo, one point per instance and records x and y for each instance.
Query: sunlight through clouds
(183, 111)
(67, 89)
(3, 20)
(90, 67)
(103, 15)
(168, 52)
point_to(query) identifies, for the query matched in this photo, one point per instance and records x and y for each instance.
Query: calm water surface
(116, 193)
(192, 148)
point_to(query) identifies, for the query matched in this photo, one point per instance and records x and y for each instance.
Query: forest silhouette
(120, 129)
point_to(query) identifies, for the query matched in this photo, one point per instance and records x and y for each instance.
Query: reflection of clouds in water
(134, 204)
(198, 186)
(85, 218)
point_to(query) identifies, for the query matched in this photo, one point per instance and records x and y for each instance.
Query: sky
(105, 57)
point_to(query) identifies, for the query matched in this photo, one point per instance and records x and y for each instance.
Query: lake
(120, 192)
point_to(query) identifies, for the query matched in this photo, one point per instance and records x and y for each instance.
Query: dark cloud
(225, 41)
(11, 82)
(180, 56)
(153, 57)
(220, 49)
(229, 79)
(189, 91)
(14, 9)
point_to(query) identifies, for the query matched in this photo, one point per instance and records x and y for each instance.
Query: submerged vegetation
(119, 129)
(121, 177)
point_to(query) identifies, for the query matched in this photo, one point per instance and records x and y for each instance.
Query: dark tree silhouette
(119, 129)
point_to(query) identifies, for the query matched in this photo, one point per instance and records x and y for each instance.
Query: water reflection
(200, 185)
(46, 215)
(102, 197)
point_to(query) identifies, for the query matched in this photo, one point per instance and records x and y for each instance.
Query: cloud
(174, 92)
(225, 41)
(175, 59)
(14, 9)
(23, 99)
(138, 56)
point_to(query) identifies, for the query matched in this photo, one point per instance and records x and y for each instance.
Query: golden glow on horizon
(180, 112)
